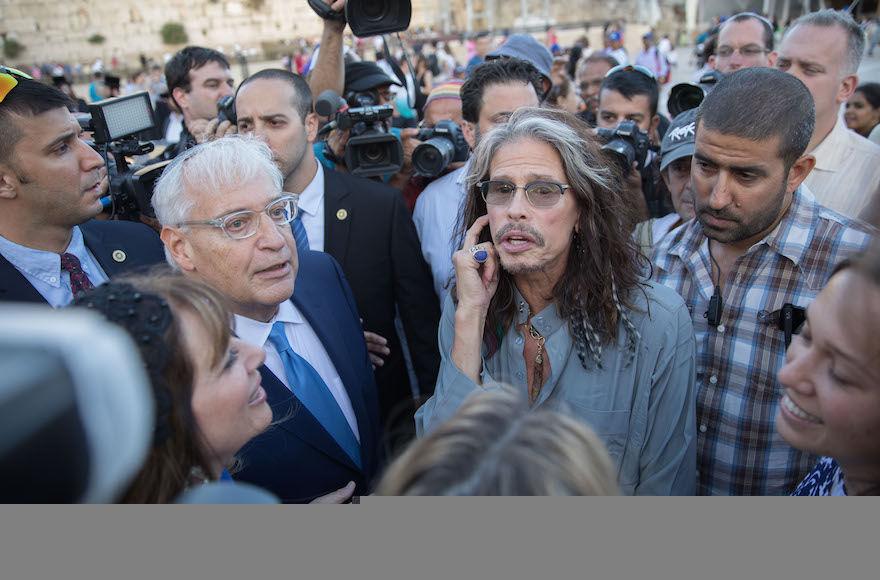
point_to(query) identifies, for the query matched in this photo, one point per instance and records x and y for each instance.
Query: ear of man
(8, 182)
(799, 171)
(847, 88)
(311, 125)
(181, 98)
(178, 247)
(468, 130)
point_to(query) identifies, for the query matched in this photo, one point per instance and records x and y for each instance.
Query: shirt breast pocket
(612, 427)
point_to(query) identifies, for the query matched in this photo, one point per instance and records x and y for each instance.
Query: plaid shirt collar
(790, 239)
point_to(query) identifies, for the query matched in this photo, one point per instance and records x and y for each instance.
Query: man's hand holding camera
(204, 130)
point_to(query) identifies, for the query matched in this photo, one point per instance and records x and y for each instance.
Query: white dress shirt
(311, 204)
(436, 217)
(847, 172)
(43, 269)
(306, 344)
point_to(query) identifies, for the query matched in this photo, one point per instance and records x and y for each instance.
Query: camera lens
(433, 156)
(373, 153)
(374, 9)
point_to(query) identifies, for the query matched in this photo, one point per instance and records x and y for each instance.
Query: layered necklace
(538, 371)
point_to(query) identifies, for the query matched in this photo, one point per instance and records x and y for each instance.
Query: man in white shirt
(495, 90)
(823, 49)
(226, 221)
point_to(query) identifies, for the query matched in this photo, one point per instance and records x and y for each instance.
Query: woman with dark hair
(831, 377)
(863, 109)
(206, 382)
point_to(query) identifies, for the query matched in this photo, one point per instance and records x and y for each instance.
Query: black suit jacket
(370, 232)
(296, 458)
(140, 247)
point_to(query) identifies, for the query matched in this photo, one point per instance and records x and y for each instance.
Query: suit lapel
(295, 418)
(337, 216)
(14, 286)
(96, 243)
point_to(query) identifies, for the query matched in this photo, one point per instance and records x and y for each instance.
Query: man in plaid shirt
(759, 241)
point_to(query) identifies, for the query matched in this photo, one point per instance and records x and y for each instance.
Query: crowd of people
(578, 295)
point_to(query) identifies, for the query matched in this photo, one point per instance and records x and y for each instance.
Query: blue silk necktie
(312, 391)
(299, 233)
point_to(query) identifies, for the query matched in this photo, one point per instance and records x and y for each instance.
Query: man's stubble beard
(744, 231)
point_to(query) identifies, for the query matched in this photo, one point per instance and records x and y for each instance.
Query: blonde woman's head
(494, 445)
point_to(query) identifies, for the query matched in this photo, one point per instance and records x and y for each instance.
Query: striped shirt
(738, 449)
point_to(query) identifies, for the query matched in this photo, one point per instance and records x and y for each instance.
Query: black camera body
(371, 149)
(627, 143)
(226, 110)
(443, 144)
(116, 125)
(686, 96)
(369, 17)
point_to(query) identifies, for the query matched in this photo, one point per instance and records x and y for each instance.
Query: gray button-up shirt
(644, 411)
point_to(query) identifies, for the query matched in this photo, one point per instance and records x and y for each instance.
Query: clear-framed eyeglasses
(747, 51)
(540, 194)
(243, 224)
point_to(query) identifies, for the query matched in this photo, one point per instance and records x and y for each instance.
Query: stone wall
(59, 31)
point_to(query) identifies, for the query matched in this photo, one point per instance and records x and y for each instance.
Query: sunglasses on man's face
(8, 80)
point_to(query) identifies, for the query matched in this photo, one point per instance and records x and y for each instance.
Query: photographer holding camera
(367, 98)
(492, 93)
(366, 227)
(627, 119)
(441, 144)
(197, 79)
(51, 183)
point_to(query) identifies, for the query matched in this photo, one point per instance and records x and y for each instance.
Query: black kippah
(146, 317)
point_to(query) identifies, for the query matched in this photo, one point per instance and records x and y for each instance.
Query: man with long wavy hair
(550, 299)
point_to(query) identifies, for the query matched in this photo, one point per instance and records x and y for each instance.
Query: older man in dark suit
(365, 225)
(226, 221)
(51, 183)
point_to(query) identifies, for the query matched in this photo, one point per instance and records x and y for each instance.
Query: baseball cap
(525, 47)
(679, 139)
(363, 76)
(614, 36)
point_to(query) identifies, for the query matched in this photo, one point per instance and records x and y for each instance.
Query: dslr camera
(627, 143)
(443, 144)
(371, 150)
(686, 96)
(116, 125)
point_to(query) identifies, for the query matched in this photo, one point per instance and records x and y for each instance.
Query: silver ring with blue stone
(480, 255)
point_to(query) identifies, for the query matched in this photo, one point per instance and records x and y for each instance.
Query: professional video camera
(371, 150)
(369, 17)
(443, 144)
(630, 145)
(115, 125)
(686, 96)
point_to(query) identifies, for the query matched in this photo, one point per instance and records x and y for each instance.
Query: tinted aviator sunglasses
(8, 80)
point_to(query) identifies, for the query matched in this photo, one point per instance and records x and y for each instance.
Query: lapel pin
(118, 256)
(341, 214)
